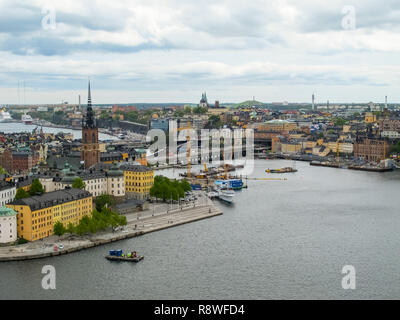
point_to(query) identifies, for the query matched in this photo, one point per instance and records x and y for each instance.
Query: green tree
(78, 184)
(396, 148)
(21, 194)
(36, 188)
(22, 241)
(214, 122)
(59, 229)
(104, 200)
(340, 122)
(70, 228)
(166, 189)
(186, 186)
(3, 171)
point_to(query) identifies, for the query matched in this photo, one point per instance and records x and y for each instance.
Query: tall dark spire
(89, 120)
(89, 97)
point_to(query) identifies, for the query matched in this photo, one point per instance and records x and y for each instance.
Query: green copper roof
(4, 212)
(115, 171)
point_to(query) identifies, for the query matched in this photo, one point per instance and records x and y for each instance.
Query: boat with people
(281, 170)
(119, 255)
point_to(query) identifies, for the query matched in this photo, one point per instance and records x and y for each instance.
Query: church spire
(89, 120)
(89, 96)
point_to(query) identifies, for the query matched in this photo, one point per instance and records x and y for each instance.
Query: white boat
(213, 194)
(4, 116)
(226, 195)
(27, 119)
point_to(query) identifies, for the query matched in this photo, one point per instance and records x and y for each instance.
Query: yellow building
(138, 180)
(289, 147)
(370, 117)
(217, 111)
(37, 215)
(276, 125)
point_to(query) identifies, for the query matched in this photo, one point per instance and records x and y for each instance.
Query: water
(20, 127)
(280, 240)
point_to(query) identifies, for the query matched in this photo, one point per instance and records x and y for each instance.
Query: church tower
(90, 136)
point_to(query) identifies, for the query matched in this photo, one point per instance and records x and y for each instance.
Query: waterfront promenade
(138, 224)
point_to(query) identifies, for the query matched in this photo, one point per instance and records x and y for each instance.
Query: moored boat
(281, 170)
(118, 255)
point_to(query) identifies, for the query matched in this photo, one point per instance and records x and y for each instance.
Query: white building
(7, 193)
(97, 182)
(115, 182)
(8, 225)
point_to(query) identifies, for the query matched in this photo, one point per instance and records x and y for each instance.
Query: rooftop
(134, 168)
(7, 212)
(52, 198)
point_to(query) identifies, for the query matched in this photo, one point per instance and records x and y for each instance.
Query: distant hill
(249, 103)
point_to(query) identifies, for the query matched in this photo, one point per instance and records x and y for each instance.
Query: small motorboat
(119, 255)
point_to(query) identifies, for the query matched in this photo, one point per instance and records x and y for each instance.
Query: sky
(173, 50)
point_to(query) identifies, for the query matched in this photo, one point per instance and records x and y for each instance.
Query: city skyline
(171, 52)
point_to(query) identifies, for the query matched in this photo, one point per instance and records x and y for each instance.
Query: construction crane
(188, 150)
(337, 152)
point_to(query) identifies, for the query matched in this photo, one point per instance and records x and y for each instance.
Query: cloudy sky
(172, 50)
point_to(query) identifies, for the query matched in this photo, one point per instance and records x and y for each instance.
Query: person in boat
(133, 254)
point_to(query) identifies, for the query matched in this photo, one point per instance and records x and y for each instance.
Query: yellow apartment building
(138, 180)
(370, 117)
(37, 215)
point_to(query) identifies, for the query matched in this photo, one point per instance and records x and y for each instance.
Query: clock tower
(90, 136)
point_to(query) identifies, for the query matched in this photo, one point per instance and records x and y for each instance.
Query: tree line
(166, 189)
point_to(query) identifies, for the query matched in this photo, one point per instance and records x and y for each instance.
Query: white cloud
(158, 44)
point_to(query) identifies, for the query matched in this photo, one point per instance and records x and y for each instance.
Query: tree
(21, 194)
(70, 228)
(103, 200)
(186, 186)
(36, 188)
(22, 240)
(78, 184)
(214, 122)
(59, 229)
(3, 171)
(396, 148)
(166, 189)
(340, 122)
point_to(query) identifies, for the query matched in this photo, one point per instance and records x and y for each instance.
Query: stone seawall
(37, 250)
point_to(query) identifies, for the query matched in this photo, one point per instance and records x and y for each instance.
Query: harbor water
(279, 240)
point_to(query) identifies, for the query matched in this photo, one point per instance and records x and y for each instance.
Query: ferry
(4, 116)
(26, 119)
